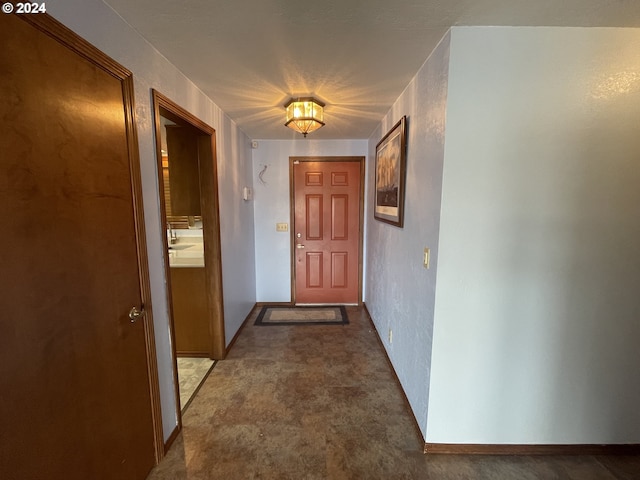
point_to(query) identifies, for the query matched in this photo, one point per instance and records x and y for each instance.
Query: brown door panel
(75, 400)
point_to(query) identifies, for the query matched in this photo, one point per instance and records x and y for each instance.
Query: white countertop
(186, 252)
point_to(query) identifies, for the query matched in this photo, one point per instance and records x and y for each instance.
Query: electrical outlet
(390, 336)
(282, 227)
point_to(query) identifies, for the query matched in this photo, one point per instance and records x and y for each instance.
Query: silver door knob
(299, 246)
(135, 314)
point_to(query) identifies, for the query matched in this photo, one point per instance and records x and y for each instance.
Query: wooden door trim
(56, 30)
(292, 162)
(211, 232)
(143, 265)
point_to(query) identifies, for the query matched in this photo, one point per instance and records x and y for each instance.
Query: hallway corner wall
(400, 291)
(537, 309)
(236, 224)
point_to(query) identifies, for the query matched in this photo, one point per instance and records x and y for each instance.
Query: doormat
(324, 315)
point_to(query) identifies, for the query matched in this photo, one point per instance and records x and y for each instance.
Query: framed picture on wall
(391, 159)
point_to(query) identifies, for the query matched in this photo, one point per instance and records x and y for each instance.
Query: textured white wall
(273, 249)
(97, 23)
(537, 314)
(400, 291)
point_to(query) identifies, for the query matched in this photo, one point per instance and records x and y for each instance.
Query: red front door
(327, 214)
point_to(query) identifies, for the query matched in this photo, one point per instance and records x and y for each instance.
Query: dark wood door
(184, 176)
(327, 231)
(75, 390)
(192, 335)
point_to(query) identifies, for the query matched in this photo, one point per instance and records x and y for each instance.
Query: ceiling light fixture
(304, 115)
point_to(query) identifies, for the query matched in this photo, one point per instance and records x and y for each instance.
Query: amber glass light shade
(304, 115)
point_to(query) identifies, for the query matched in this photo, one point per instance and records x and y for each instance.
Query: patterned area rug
(324, 315)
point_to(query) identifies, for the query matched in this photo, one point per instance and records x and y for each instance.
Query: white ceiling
(357, 56)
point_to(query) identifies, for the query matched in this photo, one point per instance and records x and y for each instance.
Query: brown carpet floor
(321, 402)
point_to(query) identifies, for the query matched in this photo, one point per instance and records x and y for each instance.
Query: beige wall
(537, 315)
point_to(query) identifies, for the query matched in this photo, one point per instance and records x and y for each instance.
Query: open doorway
(189, 208)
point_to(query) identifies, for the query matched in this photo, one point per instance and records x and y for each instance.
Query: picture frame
(390, 170)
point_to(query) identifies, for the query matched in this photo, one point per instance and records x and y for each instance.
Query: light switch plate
(282, 227)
